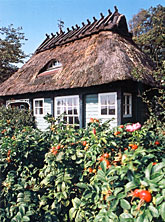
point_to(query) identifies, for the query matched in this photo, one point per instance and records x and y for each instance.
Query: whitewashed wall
(92, 109)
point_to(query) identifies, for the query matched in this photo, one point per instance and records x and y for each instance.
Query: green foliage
(148, 31)
(58, 175)
(11, 41)
(14, 118)
(154, 98)
(21, 158)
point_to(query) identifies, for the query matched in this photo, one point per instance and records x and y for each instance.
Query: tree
(148, 27)
(11, 41)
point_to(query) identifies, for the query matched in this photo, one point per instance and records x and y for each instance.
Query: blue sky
(38, 17)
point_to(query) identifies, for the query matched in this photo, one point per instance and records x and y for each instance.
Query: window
(108, 105)
(127, 105)
(69, 106)
(38, 107)
(50, 67)
(53, 65)
(22, 106)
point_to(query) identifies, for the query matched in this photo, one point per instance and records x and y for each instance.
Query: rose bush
(92, 174)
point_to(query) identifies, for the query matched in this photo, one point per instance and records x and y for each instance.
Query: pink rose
(136, 126)
(129, 128)
(133, 127)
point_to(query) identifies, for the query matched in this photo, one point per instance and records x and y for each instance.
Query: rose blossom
(133, 127)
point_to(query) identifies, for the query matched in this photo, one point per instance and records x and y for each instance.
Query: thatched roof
(100, 57)
(113, 22)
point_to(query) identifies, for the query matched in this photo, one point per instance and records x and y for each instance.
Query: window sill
(127, 116)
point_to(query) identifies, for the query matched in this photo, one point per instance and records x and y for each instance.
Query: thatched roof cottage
(84, 72)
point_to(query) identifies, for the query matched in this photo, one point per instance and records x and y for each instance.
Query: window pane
(70, 120)
(111, 99)
(64, 110)
(75, 111)
(58, 111)
(41, 103)
(103, 100)
(36, 103)
(70, 110)
(128, 99)
(65, 118)
(128, 110)
(63, 102)
(76, 120)
(75, 101)
(58, 102)
(69, 102)
(103, 110)
(40, 110)
(124, 109)
(112, 110)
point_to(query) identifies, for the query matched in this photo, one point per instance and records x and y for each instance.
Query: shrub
(92, 174)
(22, 156)
(14, 118)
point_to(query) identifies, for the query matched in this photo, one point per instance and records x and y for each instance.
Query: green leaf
(114, 204)
(159, 200)
(148, 215)
(111, 197)
(157, 179)
(158, 167)
(103, 166)
(125, 204)
(65, 203)
(154, 211)
(140, 218)
(63, 186)
(14, 220)
(20, 195)
(73, 157)
(163, 193)
(126, 216)
(25, 218)
(113, 143)
(76, 202)
(101, 176)
(64, 195)
(22, 210)
(148, 171)
(72, 213)
(144, 183)
(129, 186)
(82, 185)
(118, 190)
(162, 211)
(19, 216)
(98, 218)
(121, 195)
(19, 200)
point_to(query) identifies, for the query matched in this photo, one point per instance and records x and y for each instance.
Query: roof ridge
(109, 23)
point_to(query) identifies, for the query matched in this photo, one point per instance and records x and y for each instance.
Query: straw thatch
(102, 57)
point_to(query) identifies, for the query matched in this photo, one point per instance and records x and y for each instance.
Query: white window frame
(115, 104)
(34, 108)
(125, 105)
(72, 115)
